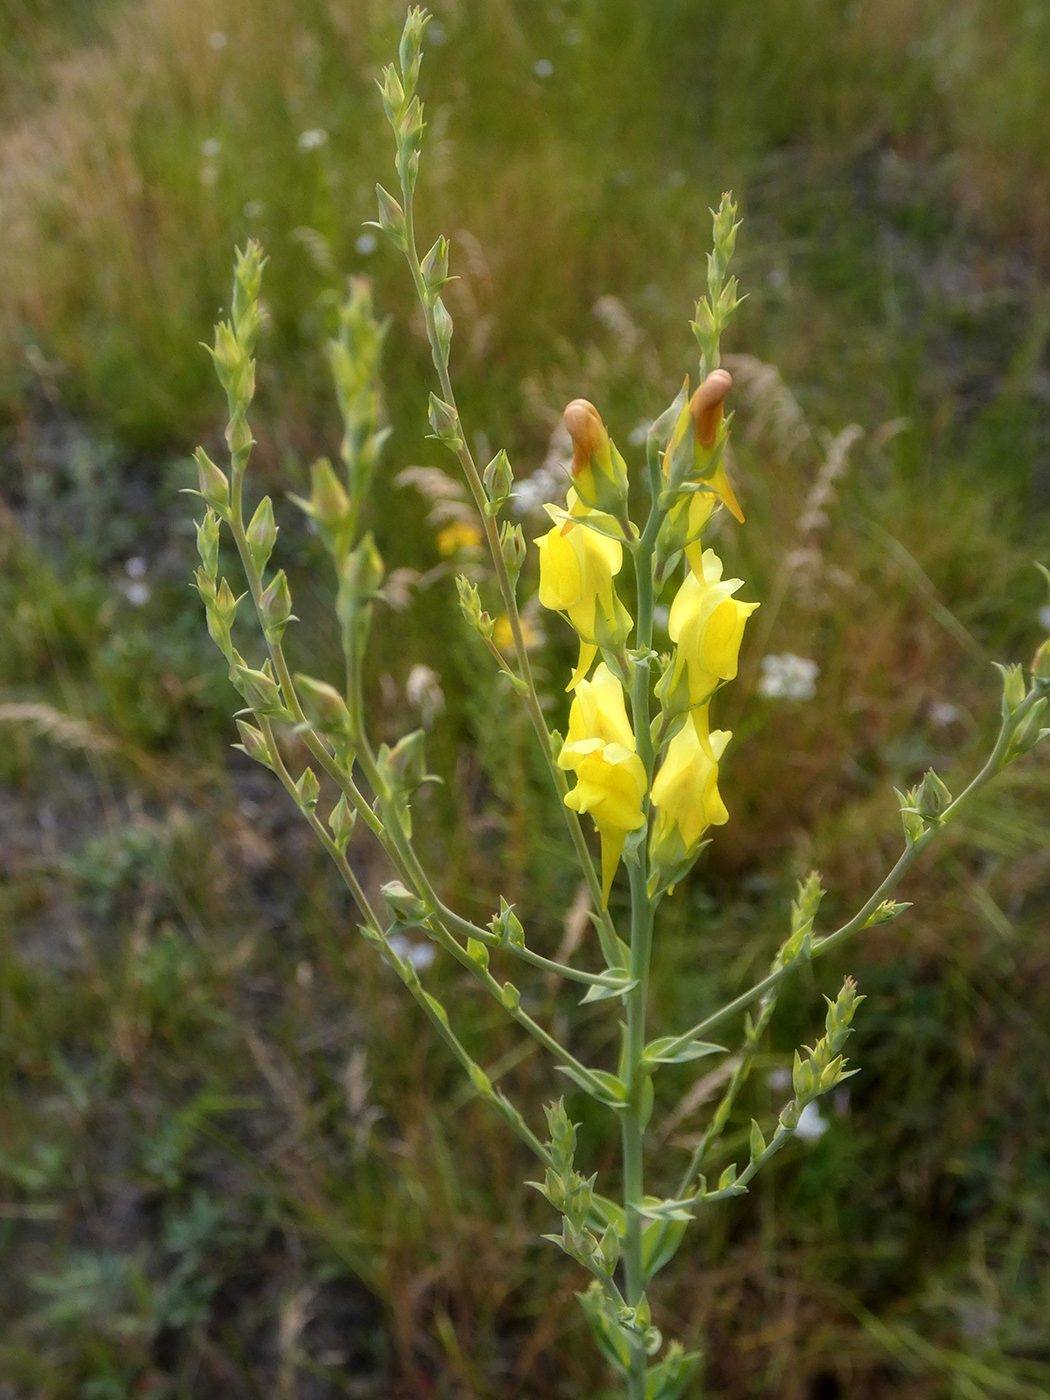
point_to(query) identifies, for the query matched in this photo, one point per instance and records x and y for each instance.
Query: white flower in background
(210, 147)
(420, 955)
(312, 139)
(366, 244)
(136, 591)
(638, 434)
(423, 692)
(543, 68)
(811, 1124)
(217, 40)
(942, 713)
(1044, 618)
(788, 677)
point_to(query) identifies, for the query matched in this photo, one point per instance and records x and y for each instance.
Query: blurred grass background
(232, 1160)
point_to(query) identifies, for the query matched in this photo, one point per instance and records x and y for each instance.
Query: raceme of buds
(577, 567)
(707, 623)
(610, 777)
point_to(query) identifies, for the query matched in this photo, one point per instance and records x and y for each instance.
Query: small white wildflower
(662, 616)
(135, 567)
(942, 713)
(209, 174)
(252, 209)
(313, 139)
(1044, 618)
(217, 40)
(811, 1124)
(788, 677)
(638, 434)
(779, 1079)
(424, 693)
(420, 955)
(211, 147)
(573, 35)
(137, 594)
(366, 244)
(543, 68)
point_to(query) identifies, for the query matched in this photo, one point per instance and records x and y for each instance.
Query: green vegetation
(204, 1187)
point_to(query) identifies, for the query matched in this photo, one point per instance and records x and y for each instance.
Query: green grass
(226, 1145)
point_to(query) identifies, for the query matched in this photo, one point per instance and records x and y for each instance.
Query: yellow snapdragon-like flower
(610, 777)
(707, 625)
(577, 567)
(685, 792)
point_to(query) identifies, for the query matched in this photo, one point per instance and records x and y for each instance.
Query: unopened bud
(445, 421)
(499, 482)
(260, 690)
(308, 790)
(262, 534)
(512, 546)
(254, 744)
(275, 606)
(406, 907)
(585, 427)
(934, 799)
(391, 219)
(212, 483)
(342, 822)
(435, 269)
(470, 602)
(706, 406)
(208, 542)
(322, 705)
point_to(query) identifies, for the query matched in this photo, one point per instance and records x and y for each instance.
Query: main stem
(639, 1089)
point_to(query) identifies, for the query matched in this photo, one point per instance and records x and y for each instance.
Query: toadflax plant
(639, 760)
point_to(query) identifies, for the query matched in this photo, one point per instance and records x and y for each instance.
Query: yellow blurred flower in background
(457, 536)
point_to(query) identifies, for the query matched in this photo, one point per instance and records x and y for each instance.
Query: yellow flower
(610, 777)
(457, 536)
(599, 473)
(685, 792)
(707, 624)
(503, 636)
(577, 566)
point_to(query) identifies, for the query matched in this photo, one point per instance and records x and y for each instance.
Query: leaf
(660, 1241)
(658, 1052)
(653, 1208)
(613, 984)
(614, 1095)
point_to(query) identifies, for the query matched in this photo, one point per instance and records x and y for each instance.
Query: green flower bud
(1013, 688)
(470, 602)
(275, 605)
(323, 706)
(478, 952)
(1041, 663)
(341, 822)
(510, 996)
(262, 533)
(499, 482)
(212, 483)
(512, 546)
(247, 283)
(933, 798)
(254, 744)
(329, 505)
(391, 219)
(443, 329)
(445, 422)
(507, 927)
(308, 790)
(435, 270)
(406, 907)
(260, 690)
(208, 542)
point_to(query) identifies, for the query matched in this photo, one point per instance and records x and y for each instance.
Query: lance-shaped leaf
(668, 1050)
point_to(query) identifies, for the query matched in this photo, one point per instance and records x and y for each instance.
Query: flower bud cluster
(572, 1195)
(824, 1066)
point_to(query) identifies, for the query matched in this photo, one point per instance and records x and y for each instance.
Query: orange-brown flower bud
(587, 431)
(706, 406)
